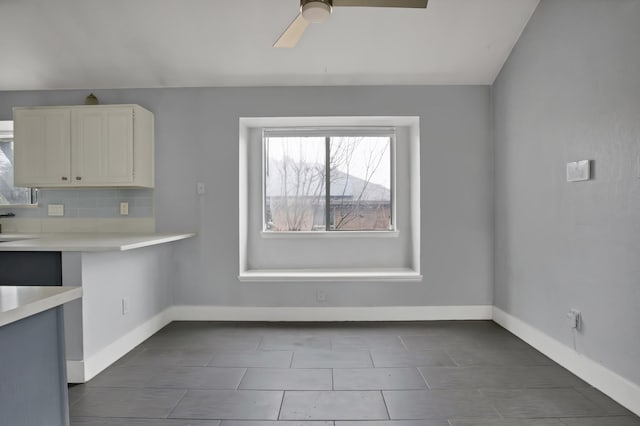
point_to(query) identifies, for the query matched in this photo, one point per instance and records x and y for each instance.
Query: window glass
(10, 195)
(356, 169)
(295, 184)
(360, 183)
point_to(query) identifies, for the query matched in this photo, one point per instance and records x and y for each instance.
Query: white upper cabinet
(83, 146)
(42, 155)
(102, 146)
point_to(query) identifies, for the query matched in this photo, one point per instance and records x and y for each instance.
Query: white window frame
(251, 269)
(385, 131)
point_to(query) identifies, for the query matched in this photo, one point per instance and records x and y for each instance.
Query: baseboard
(83, 371)
(327, 314)
(623, 391)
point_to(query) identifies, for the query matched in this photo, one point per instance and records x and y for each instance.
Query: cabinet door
(41, 147)
(102, 146)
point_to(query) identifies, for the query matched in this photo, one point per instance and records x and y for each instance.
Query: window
(324, 180)
(325, 198)
(9, 194)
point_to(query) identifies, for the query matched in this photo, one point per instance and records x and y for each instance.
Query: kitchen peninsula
(127, 283)
(33, 384)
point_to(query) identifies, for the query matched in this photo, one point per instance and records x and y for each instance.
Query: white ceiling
(93, 44)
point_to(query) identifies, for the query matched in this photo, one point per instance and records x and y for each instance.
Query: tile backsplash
(91, 203)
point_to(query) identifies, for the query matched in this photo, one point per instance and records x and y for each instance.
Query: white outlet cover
(574, 319)
(578, 171)
(124, 208)
(55, 209)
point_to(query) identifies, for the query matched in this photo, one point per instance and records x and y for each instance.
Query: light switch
(200, 189)
(578, 171)
(55, 209)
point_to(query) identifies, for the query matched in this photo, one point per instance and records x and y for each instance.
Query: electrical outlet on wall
(578, 171)
(55, 209)
(321, 295)
(574, 319)
(124, 208)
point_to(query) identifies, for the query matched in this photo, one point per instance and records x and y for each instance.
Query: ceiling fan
(317, 11)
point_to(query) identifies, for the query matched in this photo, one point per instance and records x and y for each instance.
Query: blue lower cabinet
(33, 382)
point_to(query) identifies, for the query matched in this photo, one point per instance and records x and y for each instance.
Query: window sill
(330, 234)
(384, 274)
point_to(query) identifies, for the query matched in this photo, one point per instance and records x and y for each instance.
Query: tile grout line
(493, 405)
(213, 355)
(423, 378)
(257, 348)
(386, 407)
(177, 403)
(404, 345)
(448, 354)
(242, 378)
(333, 383)
(281, 404)
(373, 364)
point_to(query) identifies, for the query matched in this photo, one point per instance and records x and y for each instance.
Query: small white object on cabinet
(83, 146)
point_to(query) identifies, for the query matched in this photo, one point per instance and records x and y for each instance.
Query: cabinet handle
(64, 178)
(78, 178)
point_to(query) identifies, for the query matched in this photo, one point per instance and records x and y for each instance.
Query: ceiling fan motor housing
(316, 11)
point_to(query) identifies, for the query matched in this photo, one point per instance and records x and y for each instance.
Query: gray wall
(197, 140)
(142, 276)
(571, 91)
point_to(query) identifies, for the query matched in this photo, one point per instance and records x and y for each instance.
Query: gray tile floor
(470, 373)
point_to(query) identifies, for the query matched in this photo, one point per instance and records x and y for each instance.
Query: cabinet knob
(64, 178)
(78, 178)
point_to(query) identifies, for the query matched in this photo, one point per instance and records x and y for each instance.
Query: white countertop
(85, 242)
(18, 302)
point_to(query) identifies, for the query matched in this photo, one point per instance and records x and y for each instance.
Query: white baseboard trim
(615, 386)
(83, 371)
(327, 314)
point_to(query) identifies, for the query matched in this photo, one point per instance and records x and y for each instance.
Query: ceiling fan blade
(381, 3)
(293, 33)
